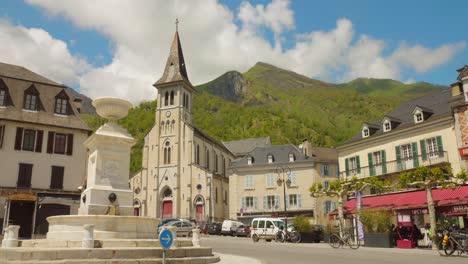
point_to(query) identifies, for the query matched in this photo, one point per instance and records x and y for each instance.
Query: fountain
(105, 228)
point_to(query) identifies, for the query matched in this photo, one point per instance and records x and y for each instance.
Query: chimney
(77, 104)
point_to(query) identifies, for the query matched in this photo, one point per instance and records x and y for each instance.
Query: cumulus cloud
(141, 33)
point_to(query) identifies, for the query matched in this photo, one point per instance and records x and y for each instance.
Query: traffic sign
(166, 238)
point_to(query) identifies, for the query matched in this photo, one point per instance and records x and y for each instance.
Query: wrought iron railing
(395, 166)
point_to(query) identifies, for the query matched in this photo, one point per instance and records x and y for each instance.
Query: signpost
(166, 239)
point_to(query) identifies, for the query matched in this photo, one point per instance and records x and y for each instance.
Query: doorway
(167, 210)
(21, 213)
(46, 210)
(199, 213)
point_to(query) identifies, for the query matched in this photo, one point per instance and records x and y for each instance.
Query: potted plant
(377, 226)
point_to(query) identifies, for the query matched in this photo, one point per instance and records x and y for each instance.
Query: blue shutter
(324, 207)
(322, 169)
(299, 200)
(277, 201)
(255, 202)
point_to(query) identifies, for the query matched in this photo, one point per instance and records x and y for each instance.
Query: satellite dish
(301, 146)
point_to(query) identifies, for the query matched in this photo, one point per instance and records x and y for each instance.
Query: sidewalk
(234, 259)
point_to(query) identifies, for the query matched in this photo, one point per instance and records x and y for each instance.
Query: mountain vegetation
(286, 106)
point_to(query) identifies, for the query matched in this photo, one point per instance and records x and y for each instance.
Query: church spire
(175, 66)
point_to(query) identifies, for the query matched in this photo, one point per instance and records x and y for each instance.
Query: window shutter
(277, 201)
(322, 170)
(332, 206)
(423, 149)
(264, 202)
(337, 171)
(243, 202)
(440, 147)
(50, 142)
(371, 167)
(299, 200)
(398, 157)
(255, 202)
(40, 135)
(414, 146)
(287, 201)
(347, 167)
(384, 162)
(70, 146)
(358, 163)
(19, 138)
(324, 207)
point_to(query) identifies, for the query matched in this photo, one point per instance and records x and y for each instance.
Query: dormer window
(270, 158)
(365, 132)
(418, 117)
(387, 126)
(61, 104)
(250, 160)
(31, 99)
(2, 97)
(4, 94)
(292, 158)
(421, 113)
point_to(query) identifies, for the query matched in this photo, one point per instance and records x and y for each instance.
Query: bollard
(88, 237)
(5, 236)
(173, 229)
(12, 240)
(196, 237)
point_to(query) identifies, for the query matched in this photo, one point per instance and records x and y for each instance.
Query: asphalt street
(287, 253)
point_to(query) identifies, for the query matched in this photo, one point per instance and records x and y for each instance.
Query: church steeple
(175, 66)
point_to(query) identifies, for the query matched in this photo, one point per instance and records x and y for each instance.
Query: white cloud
(141, 33)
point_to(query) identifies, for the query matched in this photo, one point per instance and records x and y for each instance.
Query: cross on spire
(177, 24)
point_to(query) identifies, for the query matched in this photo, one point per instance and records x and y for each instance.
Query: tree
(425, 178)
(344, 188)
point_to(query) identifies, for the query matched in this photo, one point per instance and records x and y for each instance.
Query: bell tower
(173, 123)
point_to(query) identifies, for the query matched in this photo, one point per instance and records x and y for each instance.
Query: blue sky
(334, 41)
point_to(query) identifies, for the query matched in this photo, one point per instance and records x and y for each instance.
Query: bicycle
(453, 241)
(285, 235)
(348, 237)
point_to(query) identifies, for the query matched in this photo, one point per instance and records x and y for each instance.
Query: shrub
(376, 221)
(301, 223)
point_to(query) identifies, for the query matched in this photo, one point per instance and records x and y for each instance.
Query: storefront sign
(22, 197)
(463, 151)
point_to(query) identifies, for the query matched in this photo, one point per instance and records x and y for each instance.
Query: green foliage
(427, 177)
(376, 221)
(301, 223)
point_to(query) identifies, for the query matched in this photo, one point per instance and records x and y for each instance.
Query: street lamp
(283, 171)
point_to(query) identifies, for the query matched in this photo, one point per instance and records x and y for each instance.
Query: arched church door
(167, 209)
(199, 212)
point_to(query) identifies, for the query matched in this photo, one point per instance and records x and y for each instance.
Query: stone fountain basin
(70, 227)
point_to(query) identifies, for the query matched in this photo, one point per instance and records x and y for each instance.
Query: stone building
(42, 157)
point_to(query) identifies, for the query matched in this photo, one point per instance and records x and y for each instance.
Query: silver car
(183, 228)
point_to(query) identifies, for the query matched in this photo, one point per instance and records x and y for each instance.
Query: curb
(236, 259)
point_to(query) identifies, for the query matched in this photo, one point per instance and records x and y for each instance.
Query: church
(185, 172)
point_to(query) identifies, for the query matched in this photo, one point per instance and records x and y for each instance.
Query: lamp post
(283, 171)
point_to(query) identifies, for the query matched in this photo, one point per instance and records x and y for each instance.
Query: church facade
(185, 173)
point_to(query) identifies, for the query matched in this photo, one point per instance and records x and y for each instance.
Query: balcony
(391, 167)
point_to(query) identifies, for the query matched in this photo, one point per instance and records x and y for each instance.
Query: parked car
(229, 227)
(317, 233)
(243, 231)
(214, 228)
(265, 227)
(183, 227)
(165, 221)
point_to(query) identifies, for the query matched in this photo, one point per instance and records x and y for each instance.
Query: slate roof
(175, 69)
(17, 79)
(279, 152)
(242, 147)
(202, 134)
(462, 72)
(325, 154)
(436, 103)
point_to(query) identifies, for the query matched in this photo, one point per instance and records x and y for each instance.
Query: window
(249, 202)
(365, 132)
(250, 160)
(216, 195)
(291, 157)
(197, 154)
(60, 143)
(270, 181)
(56, 179)
(61, 103)
(325, 170)
(28, 139)
(30, 102)
(2, 133)
(2, 97)
(216, 163)
(225, 197)
(271, 159)
(326, 185)
(432, 147)
(292, 178)
(387, 126)
(418, 117)
(406, 152)
(166, 98)
(223, 165)
(353, 164)
(328, 206)
(377, 158)
(207, 159)
(172, 98)
(292, 200)
(249, 181)
(167, 153)
(271, 201)
(24, 175)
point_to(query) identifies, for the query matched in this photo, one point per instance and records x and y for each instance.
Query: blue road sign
(166, 238)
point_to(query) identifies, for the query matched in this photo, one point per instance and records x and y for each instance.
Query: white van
(265, 227)
(229, 227)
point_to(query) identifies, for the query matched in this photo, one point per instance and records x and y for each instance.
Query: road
(287, 253)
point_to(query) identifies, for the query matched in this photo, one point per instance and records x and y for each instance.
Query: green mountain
(288, 107)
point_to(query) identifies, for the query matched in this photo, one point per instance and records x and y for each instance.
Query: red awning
(408, 200)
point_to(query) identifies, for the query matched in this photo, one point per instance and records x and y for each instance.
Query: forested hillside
(288, 107)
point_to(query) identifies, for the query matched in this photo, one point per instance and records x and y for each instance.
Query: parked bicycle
(289, 236)
(346, 237)
(452, 241)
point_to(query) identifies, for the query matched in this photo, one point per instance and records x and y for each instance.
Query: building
(185, 172)
(421, 132)
(42, 157)
(459, 106)
(270, 177)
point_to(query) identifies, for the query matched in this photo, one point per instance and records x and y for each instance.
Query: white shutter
(264, 202)
(277, 201)
(255, 202)
(243, 202)
(299, 200)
